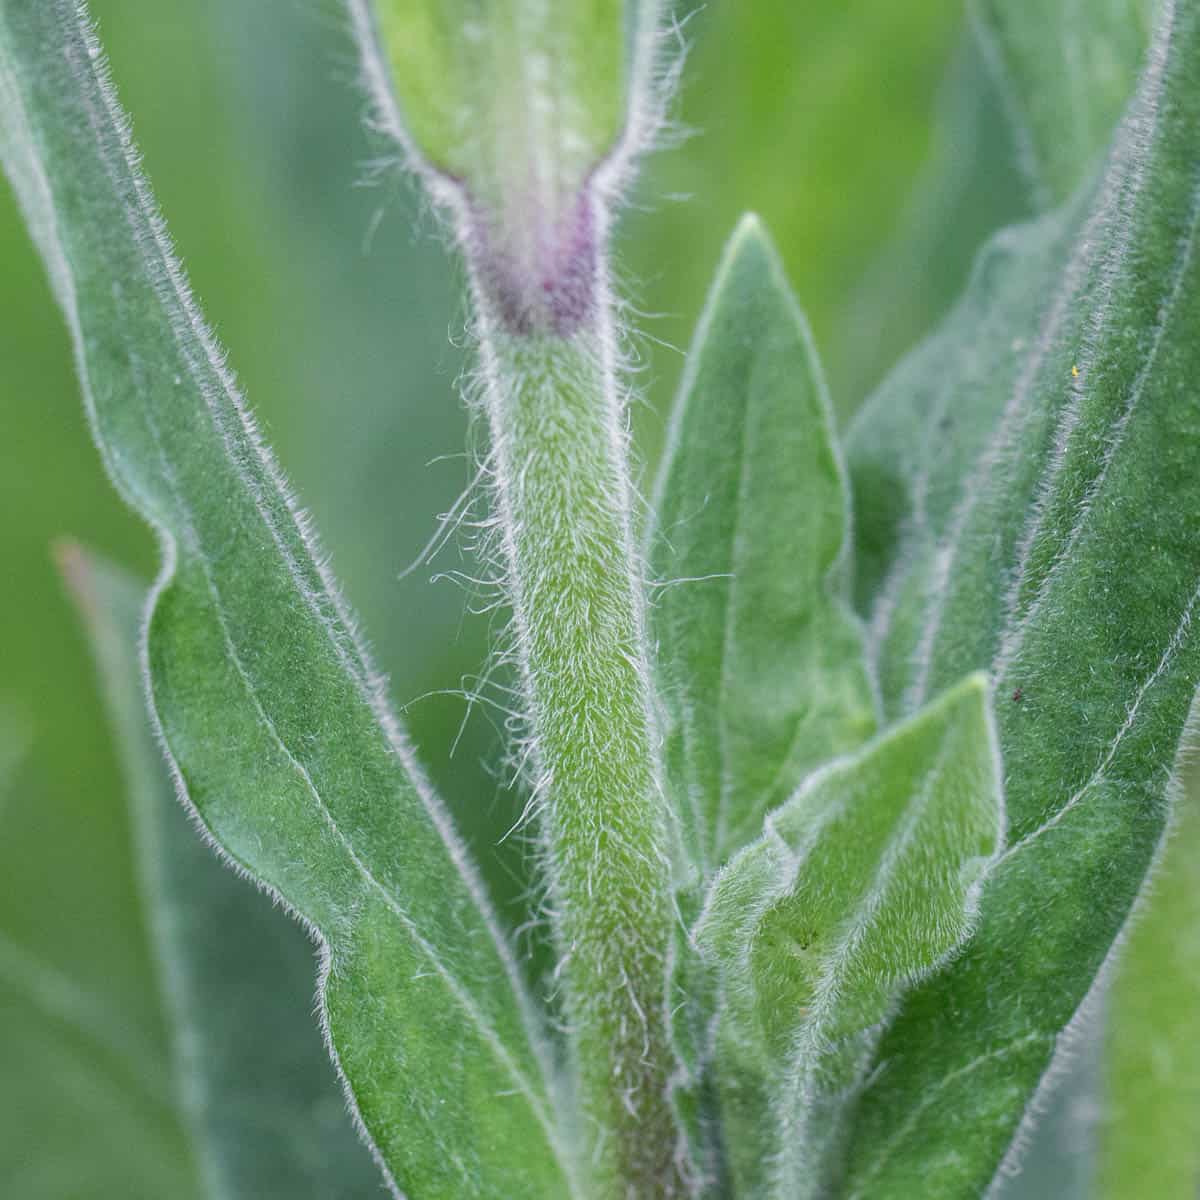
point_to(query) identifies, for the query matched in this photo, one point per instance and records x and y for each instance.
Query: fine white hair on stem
(552, 385)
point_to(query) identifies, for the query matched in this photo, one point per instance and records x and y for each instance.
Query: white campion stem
(531, 209)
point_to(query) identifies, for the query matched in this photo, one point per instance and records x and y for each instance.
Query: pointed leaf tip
(865, 883)
(752, 528)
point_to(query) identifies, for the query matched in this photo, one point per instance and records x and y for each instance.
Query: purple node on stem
(549, 288)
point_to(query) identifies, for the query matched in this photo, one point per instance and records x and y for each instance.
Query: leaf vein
(1163, 666)
(927, 1101)
(1015, 638)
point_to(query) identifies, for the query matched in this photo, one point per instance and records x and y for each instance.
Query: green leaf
(267, 702)
(864, 882)
(1066, 72)
(250, 1081)
(760, 657)
(1023, 484)
(1150, 1142)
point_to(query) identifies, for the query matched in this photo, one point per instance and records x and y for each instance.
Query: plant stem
(523, 119)
(562, 492)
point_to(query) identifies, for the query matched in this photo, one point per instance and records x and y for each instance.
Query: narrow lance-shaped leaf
(1065, 71)
(271, 711)
(760, 657)
(1026, 485)
(864, 882)
(253, 1086)
(1150, 1137)
(760, 662)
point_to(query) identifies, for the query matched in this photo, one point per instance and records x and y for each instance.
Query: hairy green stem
(523, 119)
(562, 493)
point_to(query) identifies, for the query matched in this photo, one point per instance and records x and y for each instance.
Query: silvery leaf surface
(1025, 484)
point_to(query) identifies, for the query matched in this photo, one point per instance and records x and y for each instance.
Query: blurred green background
(863, 130)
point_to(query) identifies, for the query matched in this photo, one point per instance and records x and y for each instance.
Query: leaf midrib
(729, 633)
